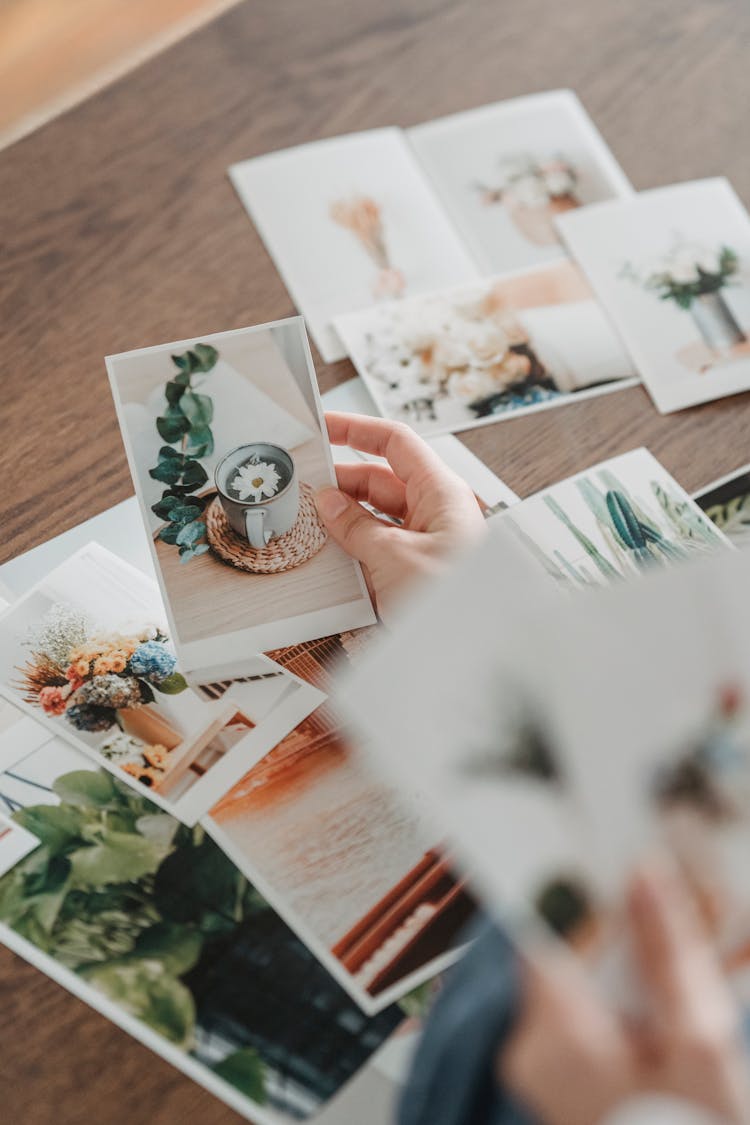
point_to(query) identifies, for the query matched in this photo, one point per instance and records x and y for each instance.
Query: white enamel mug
(259, 521)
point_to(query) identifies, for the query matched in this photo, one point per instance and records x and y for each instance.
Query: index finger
(407, 454)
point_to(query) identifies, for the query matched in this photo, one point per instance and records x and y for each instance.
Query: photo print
(227, 447)
(87, 652)
(350, 221)
(726, 502)
(146, 920)
(463, 357)
(672, 268)
(616, 520)
(349, 862)
(505, 171)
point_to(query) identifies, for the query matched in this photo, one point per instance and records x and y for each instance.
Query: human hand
(438, 512)
(572, 1059)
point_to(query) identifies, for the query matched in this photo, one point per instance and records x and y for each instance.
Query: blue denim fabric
(452, 1079)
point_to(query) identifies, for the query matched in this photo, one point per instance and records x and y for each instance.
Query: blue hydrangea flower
(89, 717)
(152, 661)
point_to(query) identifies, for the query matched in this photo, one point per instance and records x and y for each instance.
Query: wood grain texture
(119, 229)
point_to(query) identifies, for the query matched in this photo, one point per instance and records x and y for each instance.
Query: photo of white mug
(263, 507)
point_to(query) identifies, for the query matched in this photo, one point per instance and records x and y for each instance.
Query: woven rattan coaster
(296, 546)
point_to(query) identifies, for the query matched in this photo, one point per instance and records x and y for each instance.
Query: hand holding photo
(672, 266)
(227, 446)
(464, 357)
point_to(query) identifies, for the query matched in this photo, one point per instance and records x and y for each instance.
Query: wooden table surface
(119, 229)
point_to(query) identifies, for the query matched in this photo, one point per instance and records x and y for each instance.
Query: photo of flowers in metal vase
(146, 920)
(463, 357)
(505, 171)
(726, 502)
(87, 652)
(619, 519)
(672, 268)
(345, 858)
(227, 447)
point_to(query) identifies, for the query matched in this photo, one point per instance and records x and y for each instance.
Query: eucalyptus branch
(186, 424)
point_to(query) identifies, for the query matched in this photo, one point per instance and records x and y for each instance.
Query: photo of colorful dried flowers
(726, 502)
(505, 171)
(350, 221)
(87, 652)
(618, 519)
(463, 357)
(346, 859)
(227, 447)
(671, 267)
(147, 921)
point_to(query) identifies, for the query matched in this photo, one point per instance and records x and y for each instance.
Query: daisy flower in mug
(256, 481)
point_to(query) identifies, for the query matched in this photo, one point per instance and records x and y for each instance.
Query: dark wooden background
(119, 229)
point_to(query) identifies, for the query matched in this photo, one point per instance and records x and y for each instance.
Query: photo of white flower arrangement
(533, 189)
(504, 172)
(672, 269)
(76, 654)
(467, 356)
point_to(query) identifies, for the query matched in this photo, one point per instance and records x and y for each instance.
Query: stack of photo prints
(192, 840)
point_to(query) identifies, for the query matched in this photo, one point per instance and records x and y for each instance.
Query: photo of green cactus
(616, 520)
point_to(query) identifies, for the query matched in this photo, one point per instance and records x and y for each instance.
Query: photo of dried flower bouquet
(363, 217)
(455, 359)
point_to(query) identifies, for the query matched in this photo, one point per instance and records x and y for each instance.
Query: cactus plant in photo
(595, 500)
(629, 528)
(603, 565)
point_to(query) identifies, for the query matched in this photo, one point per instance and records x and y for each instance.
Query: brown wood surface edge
(119, 229)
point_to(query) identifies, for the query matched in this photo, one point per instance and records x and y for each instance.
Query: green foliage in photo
(131, 900)
(186, 424)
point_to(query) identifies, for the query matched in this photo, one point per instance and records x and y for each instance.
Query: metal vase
(715, 322)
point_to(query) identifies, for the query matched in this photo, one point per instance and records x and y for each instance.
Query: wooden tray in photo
(430, 881)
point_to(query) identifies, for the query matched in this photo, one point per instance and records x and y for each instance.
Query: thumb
(362, 535)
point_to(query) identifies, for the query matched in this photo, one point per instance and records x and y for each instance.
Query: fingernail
(331, 503)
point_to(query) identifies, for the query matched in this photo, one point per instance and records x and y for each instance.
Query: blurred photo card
(672, 268)
(227, 447)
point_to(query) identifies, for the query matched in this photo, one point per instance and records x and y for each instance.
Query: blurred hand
(438, 512)
(572, 1060)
